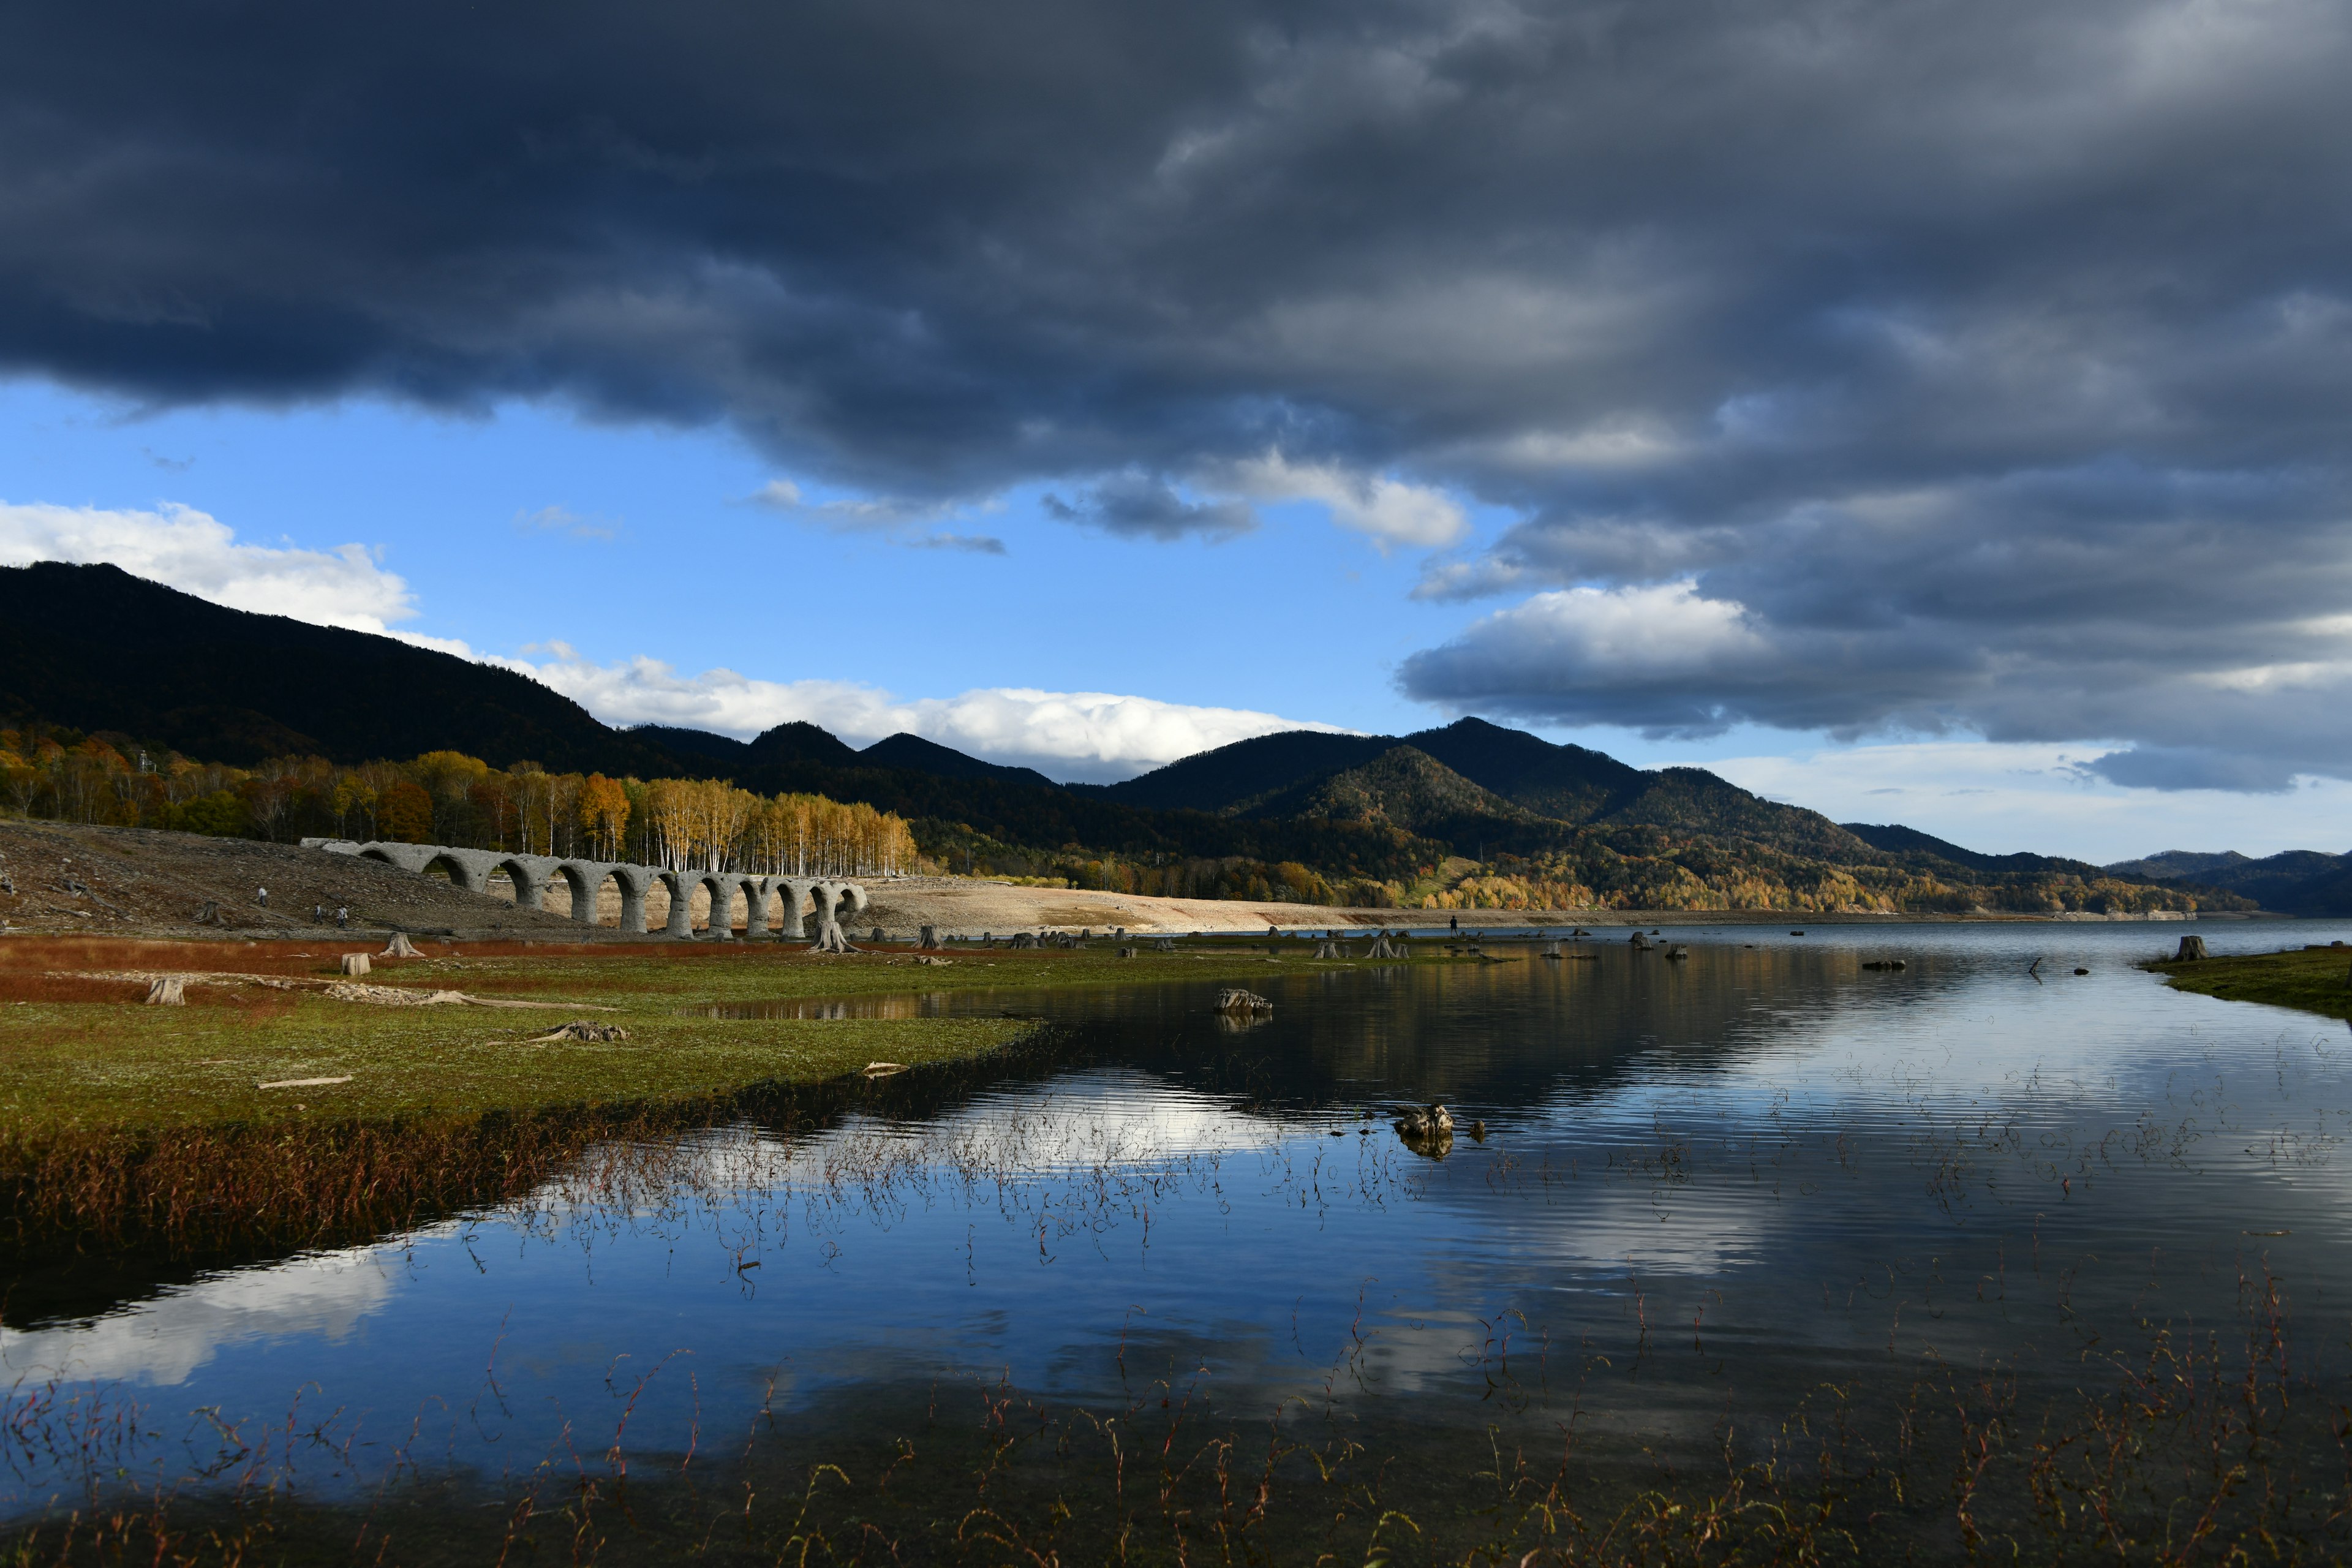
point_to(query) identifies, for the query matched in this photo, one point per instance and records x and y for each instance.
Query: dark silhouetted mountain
(1899, 840)
(1230, 777)
(2295, 882)
(912, 751)
(1527, 775)
(1692, 800)
(1404, 788)
(2179, 863)
(1568, 783)
(2329, 893)
(97, 648)
(801, 743)
(724, 750)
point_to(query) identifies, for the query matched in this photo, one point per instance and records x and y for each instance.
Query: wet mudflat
(1763, 1254)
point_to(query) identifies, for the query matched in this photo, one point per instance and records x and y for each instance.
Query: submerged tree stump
(2191, 947)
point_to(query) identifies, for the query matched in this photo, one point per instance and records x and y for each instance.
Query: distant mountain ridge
(97, 649)
(1524, 777)
(2296, 882)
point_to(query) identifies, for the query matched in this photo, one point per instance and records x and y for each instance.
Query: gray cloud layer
(1978, 364)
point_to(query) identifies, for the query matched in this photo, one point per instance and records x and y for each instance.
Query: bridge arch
(529, 880)
(465, 869)
(470, 871)
(583, 880)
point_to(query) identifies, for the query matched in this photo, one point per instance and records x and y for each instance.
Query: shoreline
(967, 907)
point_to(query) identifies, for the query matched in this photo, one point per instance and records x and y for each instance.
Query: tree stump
(831, 939)
(356, 963)
(2191, 947)
(167, 992)
(929, 937)
(400, 947)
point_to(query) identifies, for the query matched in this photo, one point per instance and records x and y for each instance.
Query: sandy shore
(967, 908)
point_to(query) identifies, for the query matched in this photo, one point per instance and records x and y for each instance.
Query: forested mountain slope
(1471, 812)
(97, 648)
(2297, 881)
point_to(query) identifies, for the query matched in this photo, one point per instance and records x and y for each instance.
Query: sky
(1924, 412)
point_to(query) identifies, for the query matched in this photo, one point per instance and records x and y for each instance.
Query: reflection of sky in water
(1751, 1171)
(320, 1296)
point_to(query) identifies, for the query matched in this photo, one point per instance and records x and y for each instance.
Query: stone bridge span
(794, 898)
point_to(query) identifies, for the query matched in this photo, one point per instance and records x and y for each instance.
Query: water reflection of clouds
(1078, 1123)
(165, 1340)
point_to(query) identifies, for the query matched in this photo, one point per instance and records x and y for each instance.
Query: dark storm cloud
(1982, 365)
(1138, 506)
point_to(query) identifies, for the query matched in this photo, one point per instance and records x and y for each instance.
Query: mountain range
(2297, 882)
(1472, 806)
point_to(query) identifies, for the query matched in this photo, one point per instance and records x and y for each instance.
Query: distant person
(318, 914)
(343, 918)
(261, 897)
(1455, 923)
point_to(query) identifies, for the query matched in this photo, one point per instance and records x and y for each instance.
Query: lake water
(1729, 1213)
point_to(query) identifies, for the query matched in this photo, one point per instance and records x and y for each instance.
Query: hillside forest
(1350, 848)
(448, 798)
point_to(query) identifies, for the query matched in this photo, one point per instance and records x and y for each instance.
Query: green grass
(2317, 981)
(94, 1058)
(128, 1125)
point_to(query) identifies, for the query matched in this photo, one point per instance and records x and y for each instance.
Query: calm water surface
(1707, 1190)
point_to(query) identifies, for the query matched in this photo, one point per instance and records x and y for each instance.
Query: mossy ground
(2315, 980)
(81, 1054)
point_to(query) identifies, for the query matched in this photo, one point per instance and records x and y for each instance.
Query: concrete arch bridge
(793, 899)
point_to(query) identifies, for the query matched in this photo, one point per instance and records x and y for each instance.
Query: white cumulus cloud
(197, 553)
(1642, 631)
(1096, 736)
(1391, 510)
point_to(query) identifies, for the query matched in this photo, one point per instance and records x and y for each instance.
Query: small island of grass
(2312, 980)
